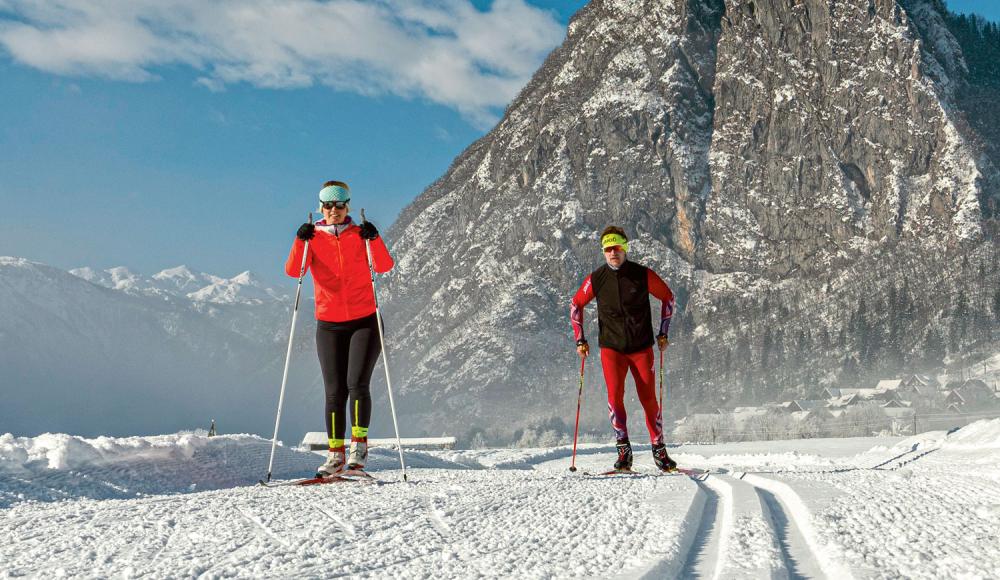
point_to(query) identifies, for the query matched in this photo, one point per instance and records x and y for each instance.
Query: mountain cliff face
(802, 173)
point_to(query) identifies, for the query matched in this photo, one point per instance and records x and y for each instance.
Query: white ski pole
(288, 355)
(385, 359)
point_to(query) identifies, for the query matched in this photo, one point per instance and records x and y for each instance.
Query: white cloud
(446, 51)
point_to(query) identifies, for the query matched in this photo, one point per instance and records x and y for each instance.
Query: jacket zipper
(340, 255)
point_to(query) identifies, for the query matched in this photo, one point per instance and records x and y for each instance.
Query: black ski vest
(623, 314)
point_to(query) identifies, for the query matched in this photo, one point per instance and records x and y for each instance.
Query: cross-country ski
(347, 475)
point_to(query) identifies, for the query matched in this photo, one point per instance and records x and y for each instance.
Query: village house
(970, 395)
(918, 385)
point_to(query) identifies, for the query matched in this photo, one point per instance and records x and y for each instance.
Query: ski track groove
(841, 470)
(896, 458)
(794, 563)
(910, 460)
(703, 559)
(437, 521)
(344, 524)
(260, 525)
(791, 520)
(724, 491)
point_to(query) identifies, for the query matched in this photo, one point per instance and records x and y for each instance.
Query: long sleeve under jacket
(339, 265)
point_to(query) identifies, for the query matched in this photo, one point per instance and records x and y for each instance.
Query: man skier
(347, 337)
(622, 289)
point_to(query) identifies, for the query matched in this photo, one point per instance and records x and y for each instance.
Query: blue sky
(153, 133)
(990, 9)
(206, 145)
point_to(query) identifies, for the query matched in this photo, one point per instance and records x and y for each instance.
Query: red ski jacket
(339, 265)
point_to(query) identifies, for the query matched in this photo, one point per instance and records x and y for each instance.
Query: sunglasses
(610, 249)
(335, 204)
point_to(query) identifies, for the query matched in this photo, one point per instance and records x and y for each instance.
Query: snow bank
(61, 451)
(981, 435)
(57, 466)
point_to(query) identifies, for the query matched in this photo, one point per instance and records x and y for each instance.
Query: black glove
(306, 232)
(368, 231)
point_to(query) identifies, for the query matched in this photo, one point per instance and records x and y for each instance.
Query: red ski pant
(616, 366)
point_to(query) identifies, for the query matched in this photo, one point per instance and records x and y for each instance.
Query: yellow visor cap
(614, 240)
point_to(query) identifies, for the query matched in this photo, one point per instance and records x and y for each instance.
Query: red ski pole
(576, 429)
(661, 383)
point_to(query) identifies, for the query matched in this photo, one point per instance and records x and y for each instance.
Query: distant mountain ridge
(115, 353)
(181, 282)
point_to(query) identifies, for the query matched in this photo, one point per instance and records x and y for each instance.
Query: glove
(368, 231)
(582, 347)
(661, 341)
(306, 232)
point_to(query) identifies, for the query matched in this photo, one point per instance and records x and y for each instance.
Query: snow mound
(61, 451)
(54, 467)
(981, 435)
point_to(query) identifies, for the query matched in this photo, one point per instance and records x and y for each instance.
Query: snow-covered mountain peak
(182, 282)
(87, 273)
(182, 272)
(122, 278)
(246, 278)
(244, 288)
(178, 275)
(117, 278)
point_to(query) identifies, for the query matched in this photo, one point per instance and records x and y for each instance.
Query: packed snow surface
(185, 505)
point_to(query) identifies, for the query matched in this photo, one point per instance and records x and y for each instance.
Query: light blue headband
(334, 193)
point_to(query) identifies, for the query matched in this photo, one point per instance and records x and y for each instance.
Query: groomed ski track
(856, 508)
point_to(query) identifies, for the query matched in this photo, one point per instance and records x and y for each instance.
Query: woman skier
(347, 338)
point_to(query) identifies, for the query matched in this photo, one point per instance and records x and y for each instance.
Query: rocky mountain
(811, 178)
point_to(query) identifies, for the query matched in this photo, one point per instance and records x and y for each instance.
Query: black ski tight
(347, 354)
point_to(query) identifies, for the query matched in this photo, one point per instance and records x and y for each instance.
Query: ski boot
(661, 459)
(624, 462)
(359, 453)
(334, 463)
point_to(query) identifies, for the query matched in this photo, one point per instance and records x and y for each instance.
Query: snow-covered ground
(184, 505)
